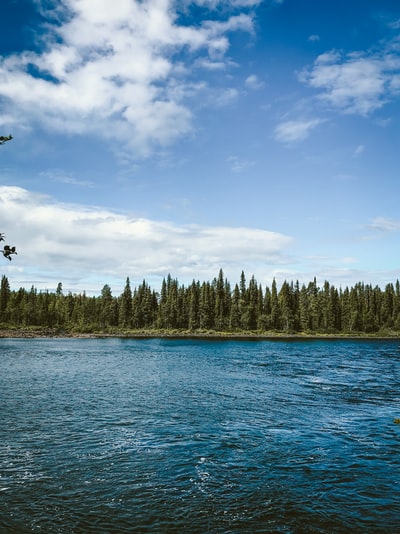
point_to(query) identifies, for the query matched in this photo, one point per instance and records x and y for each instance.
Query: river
(196, 436)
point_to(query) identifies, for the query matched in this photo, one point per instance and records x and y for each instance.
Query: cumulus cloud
(296, 130)
(358, 82)
(80, 243)
(121, 70)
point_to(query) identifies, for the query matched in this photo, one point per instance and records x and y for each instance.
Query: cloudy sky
(160, 136)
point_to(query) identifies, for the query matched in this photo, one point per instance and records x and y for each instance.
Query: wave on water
(163, 436)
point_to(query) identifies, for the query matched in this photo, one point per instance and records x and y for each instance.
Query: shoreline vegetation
(210, 310)
(28, 333)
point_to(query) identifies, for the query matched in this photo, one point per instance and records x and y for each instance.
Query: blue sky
(160, 137)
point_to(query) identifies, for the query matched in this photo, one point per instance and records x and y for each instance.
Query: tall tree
(275, 309)
(125, 309)
(5, 293)
(234, 321)
(194, 305)
(206, 306)
(286, 307)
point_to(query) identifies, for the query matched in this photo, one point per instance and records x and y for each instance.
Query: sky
(158, 136)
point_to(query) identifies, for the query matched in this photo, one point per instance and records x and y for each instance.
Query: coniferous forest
(208, 307)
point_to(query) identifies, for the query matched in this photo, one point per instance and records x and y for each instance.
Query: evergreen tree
(396, 307)
(388, 306)
(314, 306)
(304, 310)
(334, 312)
(5, 293)
(210, 306)
(171, 305)
(162, 307)
(194, 306)
(222, 302)
(250, 307)
(206, 306)
(286, 301)
(235, 320)
(125, 307)
(275, 309)
(108, 309)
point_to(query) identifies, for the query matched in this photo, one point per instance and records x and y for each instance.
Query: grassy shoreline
(26, 333)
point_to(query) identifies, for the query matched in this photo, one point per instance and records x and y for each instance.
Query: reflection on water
(199, 436)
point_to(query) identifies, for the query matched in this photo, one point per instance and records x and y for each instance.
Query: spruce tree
(125, 309)
(5, 293)
(275, 309)
(234, 321)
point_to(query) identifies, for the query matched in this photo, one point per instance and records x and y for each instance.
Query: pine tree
(194, 306)
(234, 321)
(172, 307)
(304, 310)
(206, 306)
(286, 307)
(4, 294)
(107, 309)
(334, 312)
(125, 308)
(162, 313)
(221, 311)
(396, 306)
(249, 313)
(275, 309)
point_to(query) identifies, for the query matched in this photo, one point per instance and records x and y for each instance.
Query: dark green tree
(125, 306)
(285, 300)
(194, 306)
(235, 321)
(249, 310)
(5, 293)
(108, 308)
(275, 309)
(206, 306)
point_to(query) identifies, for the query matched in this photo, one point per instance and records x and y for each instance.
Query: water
(165, 436)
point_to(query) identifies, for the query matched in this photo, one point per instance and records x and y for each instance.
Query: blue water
(165, 436)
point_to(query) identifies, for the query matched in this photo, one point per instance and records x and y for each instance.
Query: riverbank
(26, 333)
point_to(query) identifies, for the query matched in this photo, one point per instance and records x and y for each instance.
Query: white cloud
(111, 68)
(253, 82)
(314, 38)
(384, 224)
(292, 131)
(226, 98)
(359, 82)
(80, 243)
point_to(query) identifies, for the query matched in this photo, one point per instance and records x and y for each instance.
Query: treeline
(209, 306)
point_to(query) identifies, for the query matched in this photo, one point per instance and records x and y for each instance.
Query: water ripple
(105, 436)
